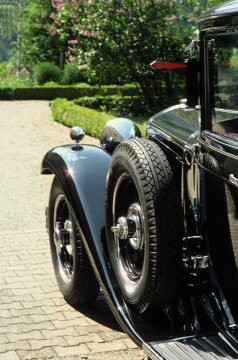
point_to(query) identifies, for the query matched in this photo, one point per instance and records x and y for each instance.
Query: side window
(224, 84)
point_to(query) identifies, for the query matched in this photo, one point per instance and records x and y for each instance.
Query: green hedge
(68, 92)
(116, 104)
(67, 113)
(92, 121)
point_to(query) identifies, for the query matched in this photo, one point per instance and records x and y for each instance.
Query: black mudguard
(82, 174)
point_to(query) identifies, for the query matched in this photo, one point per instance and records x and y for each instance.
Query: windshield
(224, 81)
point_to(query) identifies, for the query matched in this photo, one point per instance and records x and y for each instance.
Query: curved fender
(82, 174)
(117, 130)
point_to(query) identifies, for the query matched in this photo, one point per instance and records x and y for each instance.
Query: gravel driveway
(35, 321)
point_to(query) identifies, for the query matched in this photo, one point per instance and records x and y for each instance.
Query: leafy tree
(115, 40)
(8, 26)
(37, 44)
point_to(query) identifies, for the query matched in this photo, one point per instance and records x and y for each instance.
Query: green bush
(92, 121)
(118, 105)
(73, 74)
(69, 114)
(3, 70)
(45, 72)
(50, 92)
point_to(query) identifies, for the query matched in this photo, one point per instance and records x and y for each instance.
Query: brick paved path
(35, 321)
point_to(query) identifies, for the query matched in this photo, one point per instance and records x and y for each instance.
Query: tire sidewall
(66, 285)
(136, 290)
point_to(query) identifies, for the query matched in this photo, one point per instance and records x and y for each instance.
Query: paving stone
(130, 344)
(54, 309)
(40, 326)
(59, 301)
(72, 314)
(47, 317)
(33, 303)
(46, 353)
(12, 306)
(112, 335)
(14, 346)
(37, 335)
(41, 296)
(5, 314)
(69, 323)
(3, 340)
(35, 292)
(15, 320)
(10, 299)
(40, 344)
(83, 339)
(9, 355)
(69, 332)
(107, 346)
(72, 350)
(13, 329)
(36, 322)
(36, 310)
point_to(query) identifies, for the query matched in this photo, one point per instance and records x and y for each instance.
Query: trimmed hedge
(92, 121)
(68, 92)
(118, 105)
(69, 114)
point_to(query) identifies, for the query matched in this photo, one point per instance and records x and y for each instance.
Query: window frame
(208, 95)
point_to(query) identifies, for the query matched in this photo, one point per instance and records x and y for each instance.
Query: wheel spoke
(63, 237)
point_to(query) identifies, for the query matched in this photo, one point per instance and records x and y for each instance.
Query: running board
(208, 347)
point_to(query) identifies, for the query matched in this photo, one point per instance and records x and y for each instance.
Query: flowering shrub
(115, 41)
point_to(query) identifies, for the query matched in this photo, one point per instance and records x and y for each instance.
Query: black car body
(198, 142)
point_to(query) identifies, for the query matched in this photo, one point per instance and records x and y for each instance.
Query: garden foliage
(45, 72)
(92, 121)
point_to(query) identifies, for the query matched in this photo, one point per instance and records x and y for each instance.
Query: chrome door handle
(233, 179)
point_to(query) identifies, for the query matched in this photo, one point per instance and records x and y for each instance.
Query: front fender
(82, 174)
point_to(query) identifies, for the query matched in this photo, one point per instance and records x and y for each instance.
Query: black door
(220, 160)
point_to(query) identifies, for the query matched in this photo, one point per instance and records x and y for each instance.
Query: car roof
(229, 8)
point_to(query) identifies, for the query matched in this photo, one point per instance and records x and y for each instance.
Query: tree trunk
(21, 9)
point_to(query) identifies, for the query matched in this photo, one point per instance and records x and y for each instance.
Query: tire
(145, 253)
(73, 271)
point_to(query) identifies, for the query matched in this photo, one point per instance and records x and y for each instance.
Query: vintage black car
(154, 222)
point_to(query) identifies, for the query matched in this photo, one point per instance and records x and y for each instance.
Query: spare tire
(143, 225)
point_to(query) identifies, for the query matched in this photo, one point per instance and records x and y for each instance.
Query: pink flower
(87, 33)
(73, 17)
(120, 11)
(73, 42)
(59, 4)
(74, 3)
(170, 18)
(24, 71)
(70, 58)
(52, 15)
(84, 67)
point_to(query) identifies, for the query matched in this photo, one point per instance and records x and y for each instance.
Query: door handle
(233, 179)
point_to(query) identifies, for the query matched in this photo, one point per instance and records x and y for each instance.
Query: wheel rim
(127, 246)
(64, 238)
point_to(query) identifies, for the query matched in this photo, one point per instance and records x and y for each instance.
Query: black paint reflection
(222, 227)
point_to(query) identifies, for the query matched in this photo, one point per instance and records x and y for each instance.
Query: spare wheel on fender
(143, 225)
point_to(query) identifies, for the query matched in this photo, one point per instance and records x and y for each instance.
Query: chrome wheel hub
(130, 228)
(63, 237)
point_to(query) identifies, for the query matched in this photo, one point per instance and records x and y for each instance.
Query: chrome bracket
(194, 152)
(193, 260)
